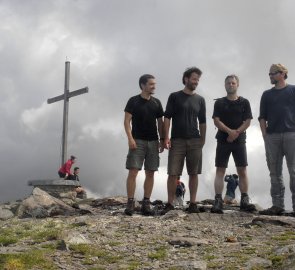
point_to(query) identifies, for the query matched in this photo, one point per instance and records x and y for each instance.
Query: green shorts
(185, 149)
(147, 152)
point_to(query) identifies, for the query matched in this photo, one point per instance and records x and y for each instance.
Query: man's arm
(232, 134)
(263, 126)
(127, 126)
(203, 128)
(167, 143)
(161, 133)
(244, 126)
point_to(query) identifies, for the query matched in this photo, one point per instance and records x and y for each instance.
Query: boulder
(5, 213)
(40, 205)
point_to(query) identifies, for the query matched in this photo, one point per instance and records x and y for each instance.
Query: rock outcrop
(41, 205)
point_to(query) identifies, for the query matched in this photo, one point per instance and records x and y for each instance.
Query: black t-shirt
(232, 113)
(144, 115)
(186, 112)
(277, 107)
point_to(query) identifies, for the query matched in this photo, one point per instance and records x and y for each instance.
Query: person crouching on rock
(81, 193)
(65, 170)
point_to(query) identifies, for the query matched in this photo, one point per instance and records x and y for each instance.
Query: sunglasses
(274, 73)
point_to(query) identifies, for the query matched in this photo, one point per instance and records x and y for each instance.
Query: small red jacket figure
(65, 169)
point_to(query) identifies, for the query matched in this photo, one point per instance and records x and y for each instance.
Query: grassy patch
(90, 251)
(45, 235)
(213, 264)
(277, 260)
(114, 243)
(159, 254)
(6, 240)
(26, 261)
(209, 257)
(133, 265)
(249, 250)
(288, 235)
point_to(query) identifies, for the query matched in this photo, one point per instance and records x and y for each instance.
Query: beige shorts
(147, 153)
(185, 149)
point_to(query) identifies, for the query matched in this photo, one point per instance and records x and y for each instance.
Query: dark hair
(189, 71)
(73, 157)
(144, 79)
(232, 76)
(76, 168)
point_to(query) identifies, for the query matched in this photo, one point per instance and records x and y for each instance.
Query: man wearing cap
(277, 123)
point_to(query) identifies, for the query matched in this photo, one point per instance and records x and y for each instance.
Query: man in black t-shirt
(145, 114)
(232, 116)
(187, 112)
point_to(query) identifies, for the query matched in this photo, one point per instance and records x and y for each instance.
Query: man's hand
(132, 144)
(232, 135)
(167, 143)
(202, 141)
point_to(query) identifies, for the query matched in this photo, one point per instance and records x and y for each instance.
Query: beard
(273, 81)
(191, 87)
(231, 91)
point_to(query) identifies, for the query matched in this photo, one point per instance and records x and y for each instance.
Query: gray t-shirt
(277, 107)
(187, 112)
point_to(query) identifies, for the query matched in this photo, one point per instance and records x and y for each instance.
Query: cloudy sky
(110, 44)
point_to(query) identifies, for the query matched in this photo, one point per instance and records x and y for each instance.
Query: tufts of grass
(91, 251)
(209, 257)
(133, 265)
(45, 235)
(27, 260)
(6, 240)
(159, 254)
(14, 264)
(288, 235)
(277, 260)
(249, 250)
(114, 243)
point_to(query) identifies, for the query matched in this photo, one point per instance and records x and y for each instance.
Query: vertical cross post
(65, 97)
(65, 114)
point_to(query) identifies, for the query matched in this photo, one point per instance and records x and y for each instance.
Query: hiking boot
(168, 207)
(130, 207)
(146, 209)
(193, 208)
(272, 211)
(245, 205)
(217, 207)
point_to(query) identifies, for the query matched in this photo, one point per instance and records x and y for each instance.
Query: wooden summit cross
(65, 97)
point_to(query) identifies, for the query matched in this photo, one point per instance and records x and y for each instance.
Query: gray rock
(40, 205)
(275, 220)
(75, 238)
(192, 265)
(174, 214)
(5, 214)
(109, 201)
(258, 262)
(285, 250)
(187, 242)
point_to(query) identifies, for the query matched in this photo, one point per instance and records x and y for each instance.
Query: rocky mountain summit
(43, 232)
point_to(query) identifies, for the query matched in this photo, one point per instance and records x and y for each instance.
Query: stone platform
(55, 187)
